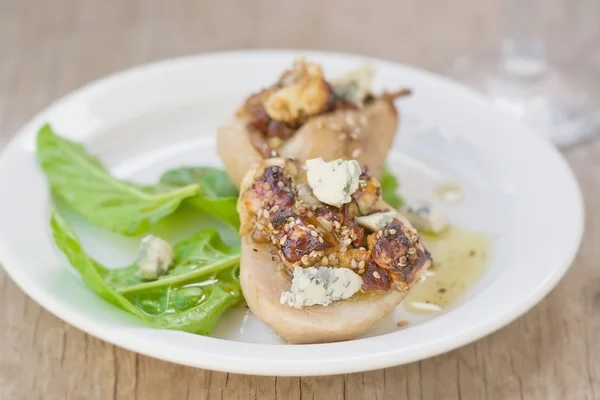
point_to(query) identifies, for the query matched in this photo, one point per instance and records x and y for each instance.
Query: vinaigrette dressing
(449, 193)
(459, 258)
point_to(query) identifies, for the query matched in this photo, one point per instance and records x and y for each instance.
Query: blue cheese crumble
(321, 286)
(355, 85)
(376, 221)
(333, 182)
(425, 217)
(156, 256)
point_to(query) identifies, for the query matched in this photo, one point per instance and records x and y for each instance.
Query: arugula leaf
(389, 188)
(191, 297)
(218, 195)
(83, 182)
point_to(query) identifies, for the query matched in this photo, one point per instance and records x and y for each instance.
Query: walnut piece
(303, 92)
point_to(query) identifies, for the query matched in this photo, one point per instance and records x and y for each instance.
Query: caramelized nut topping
(300, 93)
(324, 235)
(400, 252)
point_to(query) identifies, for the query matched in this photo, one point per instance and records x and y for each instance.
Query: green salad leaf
(83, 182)
(214, 181)
(389, 189)
(218, 195)
(191, 297)
(200, 255)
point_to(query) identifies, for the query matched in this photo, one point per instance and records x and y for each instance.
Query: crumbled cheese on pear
(355, 85)
(333, 182)
(377, 220)
(321, 286)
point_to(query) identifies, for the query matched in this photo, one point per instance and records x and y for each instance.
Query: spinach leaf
(389, 189)
(192, 306)
(191, 297)
(200, 255)
(218, 195)
(215, 182)
(83, 182)
(92, 273)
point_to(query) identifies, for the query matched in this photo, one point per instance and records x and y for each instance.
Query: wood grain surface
(50, 47)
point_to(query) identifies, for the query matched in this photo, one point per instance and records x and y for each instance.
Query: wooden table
(48, 48)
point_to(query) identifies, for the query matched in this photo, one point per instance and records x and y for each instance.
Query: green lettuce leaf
(389, 189)
(83, 182)
(191, 297)
(218, 195)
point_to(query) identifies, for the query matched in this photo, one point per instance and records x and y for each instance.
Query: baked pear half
(323, 257)
(304, 116)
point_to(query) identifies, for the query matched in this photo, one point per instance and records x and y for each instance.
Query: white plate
(518, 189)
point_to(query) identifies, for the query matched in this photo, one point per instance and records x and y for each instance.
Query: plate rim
(277, 368)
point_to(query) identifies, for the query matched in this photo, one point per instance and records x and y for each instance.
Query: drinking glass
(521, 81)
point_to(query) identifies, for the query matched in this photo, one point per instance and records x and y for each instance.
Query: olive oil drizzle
(459, 258)
(449, 193)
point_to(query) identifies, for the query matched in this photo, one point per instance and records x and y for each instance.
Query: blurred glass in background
(525, 77)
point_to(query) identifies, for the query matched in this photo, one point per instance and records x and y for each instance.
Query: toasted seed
(376, 275)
